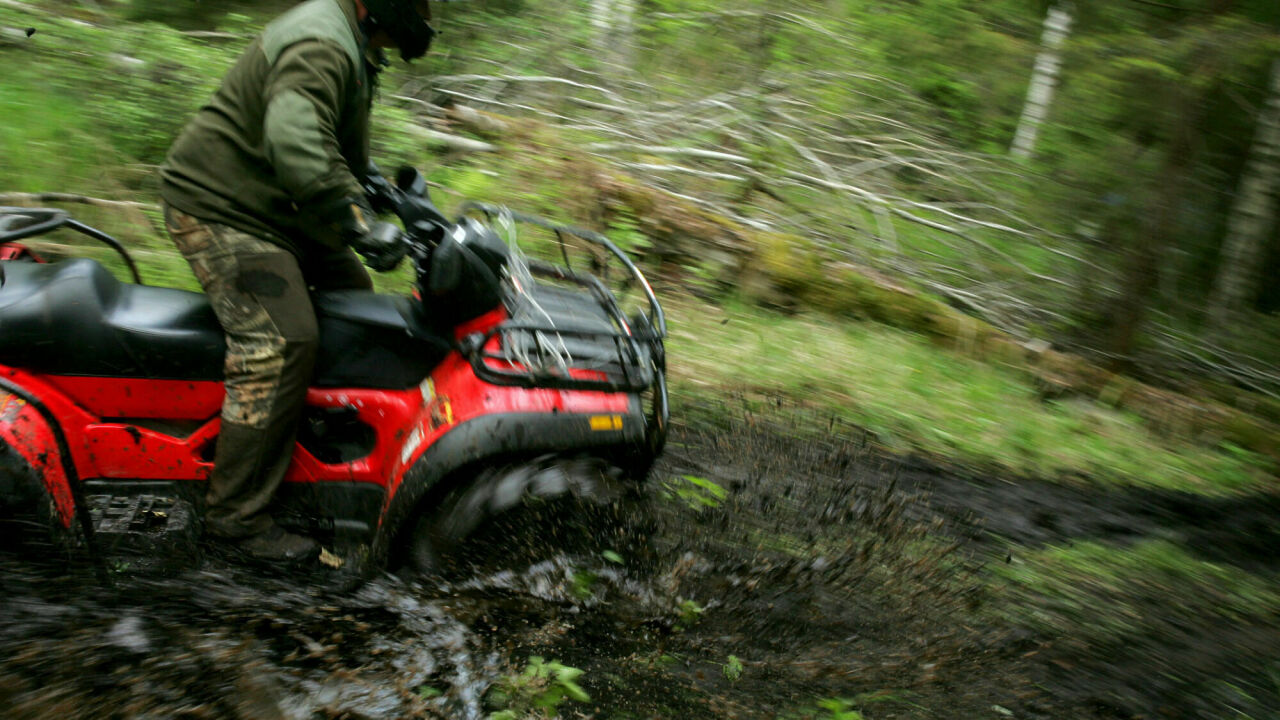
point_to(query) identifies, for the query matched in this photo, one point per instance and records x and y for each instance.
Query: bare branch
(661, 150)
(448, 79)
(684, 170)
(55, 197)
(456, 143)
(213, 35)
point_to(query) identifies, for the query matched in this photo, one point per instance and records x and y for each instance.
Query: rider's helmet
(405, 22)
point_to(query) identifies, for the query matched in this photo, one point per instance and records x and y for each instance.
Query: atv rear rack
(17, 223)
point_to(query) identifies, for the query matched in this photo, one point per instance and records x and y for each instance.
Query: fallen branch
(456, 143)
(661, 150)
(546, 79)
(480, 122)
(55, 197)
(214, 35)
(653, 167)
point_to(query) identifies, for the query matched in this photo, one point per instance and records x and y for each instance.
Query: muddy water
(767, 574)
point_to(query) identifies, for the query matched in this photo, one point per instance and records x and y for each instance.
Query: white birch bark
(1044, 79)
(1252, 213)
(612, 22)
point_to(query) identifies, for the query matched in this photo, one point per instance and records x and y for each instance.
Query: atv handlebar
(407, 199)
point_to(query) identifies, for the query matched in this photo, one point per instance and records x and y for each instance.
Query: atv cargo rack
(18, 223)
(568, 331)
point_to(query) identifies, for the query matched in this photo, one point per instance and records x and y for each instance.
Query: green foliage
(158, 78)
(688, 612)
(50, 144)
(694, 492)
(536, 692)
(915, 396)
(1149, 117)
(203, 14)
(393, 141)
(583, 584)
(733, 668)
(624, 231)
(1097, 592)
(839, 709)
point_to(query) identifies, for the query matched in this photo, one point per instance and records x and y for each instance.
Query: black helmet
(400, 20)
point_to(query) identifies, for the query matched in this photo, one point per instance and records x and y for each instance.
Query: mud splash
(768, 573)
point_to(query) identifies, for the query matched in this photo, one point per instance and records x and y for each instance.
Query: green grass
(46, 141)
(1109, 596)
(918, 397)
(1156, 606)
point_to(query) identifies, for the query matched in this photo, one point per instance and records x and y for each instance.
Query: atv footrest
(154, 525)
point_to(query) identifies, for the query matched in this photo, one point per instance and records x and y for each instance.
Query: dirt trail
(824, 570)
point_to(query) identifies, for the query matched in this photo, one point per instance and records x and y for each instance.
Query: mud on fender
(507, 435)
(32, 454)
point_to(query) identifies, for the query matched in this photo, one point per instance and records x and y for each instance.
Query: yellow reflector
(606, 422)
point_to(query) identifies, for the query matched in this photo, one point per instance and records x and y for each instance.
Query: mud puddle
(778, 577)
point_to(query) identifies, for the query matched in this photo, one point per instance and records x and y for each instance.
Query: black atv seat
(74, 318)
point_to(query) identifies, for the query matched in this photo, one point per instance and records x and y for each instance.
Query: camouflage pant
(261, 295)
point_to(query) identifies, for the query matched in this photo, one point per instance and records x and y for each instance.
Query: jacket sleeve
(304, 97)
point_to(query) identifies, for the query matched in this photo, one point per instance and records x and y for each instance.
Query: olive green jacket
(283, 134)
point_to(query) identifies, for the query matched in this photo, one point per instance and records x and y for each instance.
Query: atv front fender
(503, 436)
(26, 429)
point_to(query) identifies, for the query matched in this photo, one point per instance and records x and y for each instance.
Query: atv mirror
(411, 182)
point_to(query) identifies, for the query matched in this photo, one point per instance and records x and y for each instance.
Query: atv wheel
(522, 513)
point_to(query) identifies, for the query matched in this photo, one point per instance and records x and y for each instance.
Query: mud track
(824, 569)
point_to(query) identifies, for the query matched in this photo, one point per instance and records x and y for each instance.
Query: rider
(262, 197)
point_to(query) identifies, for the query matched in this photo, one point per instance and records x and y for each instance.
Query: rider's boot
(248, 467)
(278, 545)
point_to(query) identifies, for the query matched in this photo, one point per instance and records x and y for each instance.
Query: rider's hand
(381, 243)
(383, 246)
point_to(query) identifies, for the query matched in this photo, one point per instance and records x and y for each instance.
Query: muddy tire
(519, 513)
(28, 516)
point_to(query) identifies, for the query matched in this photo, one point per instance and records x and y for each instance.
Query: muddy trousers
(261, 296)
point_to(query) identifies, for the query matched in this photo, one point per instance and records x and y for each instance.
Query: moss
(1252, 435)
(1252, 403)
(790, 263)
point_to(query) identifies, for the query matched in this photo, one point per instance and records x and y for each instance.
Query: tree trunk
(1044, 78)
(612, 21)
(1141, 264)
(1251, 217)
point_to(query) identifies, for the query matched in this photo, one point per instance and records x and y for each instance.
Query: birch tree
(1252, 214)
(612, 23)
(1044, 78)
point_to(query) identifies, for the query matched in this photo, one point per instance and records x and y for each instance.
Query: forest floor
(783, 573)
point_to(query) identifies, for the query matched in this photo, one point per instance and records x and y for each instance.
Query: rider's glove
(383, 246)
(381, 243)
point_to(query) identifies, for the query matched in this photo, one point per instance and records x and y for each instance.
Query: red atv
(504, 376)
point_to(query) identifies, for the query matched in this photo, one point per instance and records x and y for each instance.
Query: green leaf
(733, 668)
(575, 692)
